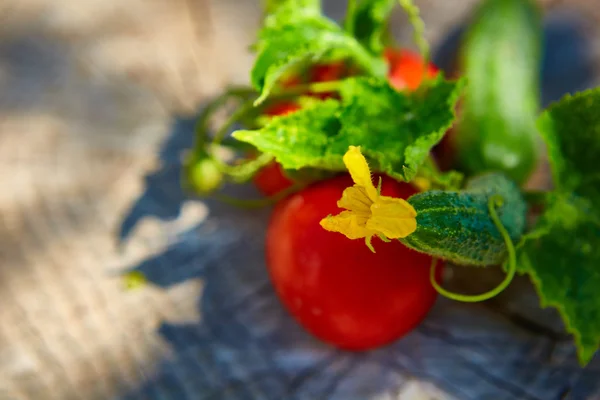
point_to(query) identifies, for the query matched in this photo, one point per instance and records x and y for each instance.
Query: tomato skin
(335, 287)
(271, 179)
(406, 69)
(281, 108)
(327, 73)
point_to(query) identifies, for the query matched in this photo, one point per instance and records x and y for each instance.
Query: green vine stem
(248, 106)
(495, 201)
(242, 111)
(244, 171)
(349, 22)
(295, 91)
(415, 19)
(202, 125)
(316, 87)
(247, 95)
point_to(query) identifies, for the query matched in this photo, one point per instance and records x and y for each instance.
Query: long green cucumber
(501, 60)
(457, 225)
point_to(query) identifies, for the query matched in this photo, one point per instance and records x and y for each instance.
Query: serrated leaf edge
(584, 356)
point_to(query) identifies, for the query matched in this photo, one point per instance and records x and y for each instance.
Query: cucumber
(457, 225)
(501, 59)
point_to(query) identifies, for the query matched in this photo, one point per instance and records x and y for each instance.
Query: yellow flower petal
(394, 218)
(359, 170)
(367, 213)
(355, 198)
(348, 223)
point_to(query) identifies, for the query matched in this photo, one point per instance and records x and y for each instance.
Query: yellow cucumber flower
(367, 212)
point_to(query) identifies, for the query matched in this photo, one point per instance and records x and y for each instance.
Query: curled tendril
(418, 24)
(495, 201)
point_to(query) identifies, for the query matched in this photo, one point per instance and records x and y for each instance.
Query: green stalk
(415, 19)
(349, 22)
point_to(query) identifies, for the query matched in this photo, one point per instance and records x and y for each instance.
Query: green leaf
(562, 256)
(396, 130)
(571, 129)
(367, 22)
(294, 35)
(300, 139)
(562, 252)
(435, 179)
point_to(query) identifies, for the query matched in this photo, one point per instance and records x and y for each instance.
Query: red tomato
(407, 69)
(271, 179)
(336, 288)
(326, 73)
(283, 108)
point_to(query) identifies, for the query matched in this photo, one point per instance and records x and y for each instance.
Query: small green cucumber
(457, 225)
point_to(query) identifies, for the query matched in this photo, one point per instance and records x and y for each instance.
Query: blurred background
(97, 99)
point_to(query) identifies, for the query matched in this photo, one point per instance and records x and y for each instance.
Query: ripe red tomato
(336, 288)
(406, 69)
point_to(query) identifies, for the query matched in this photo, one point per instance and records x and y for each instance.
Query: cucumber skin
(456, 225)
(501, 59)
